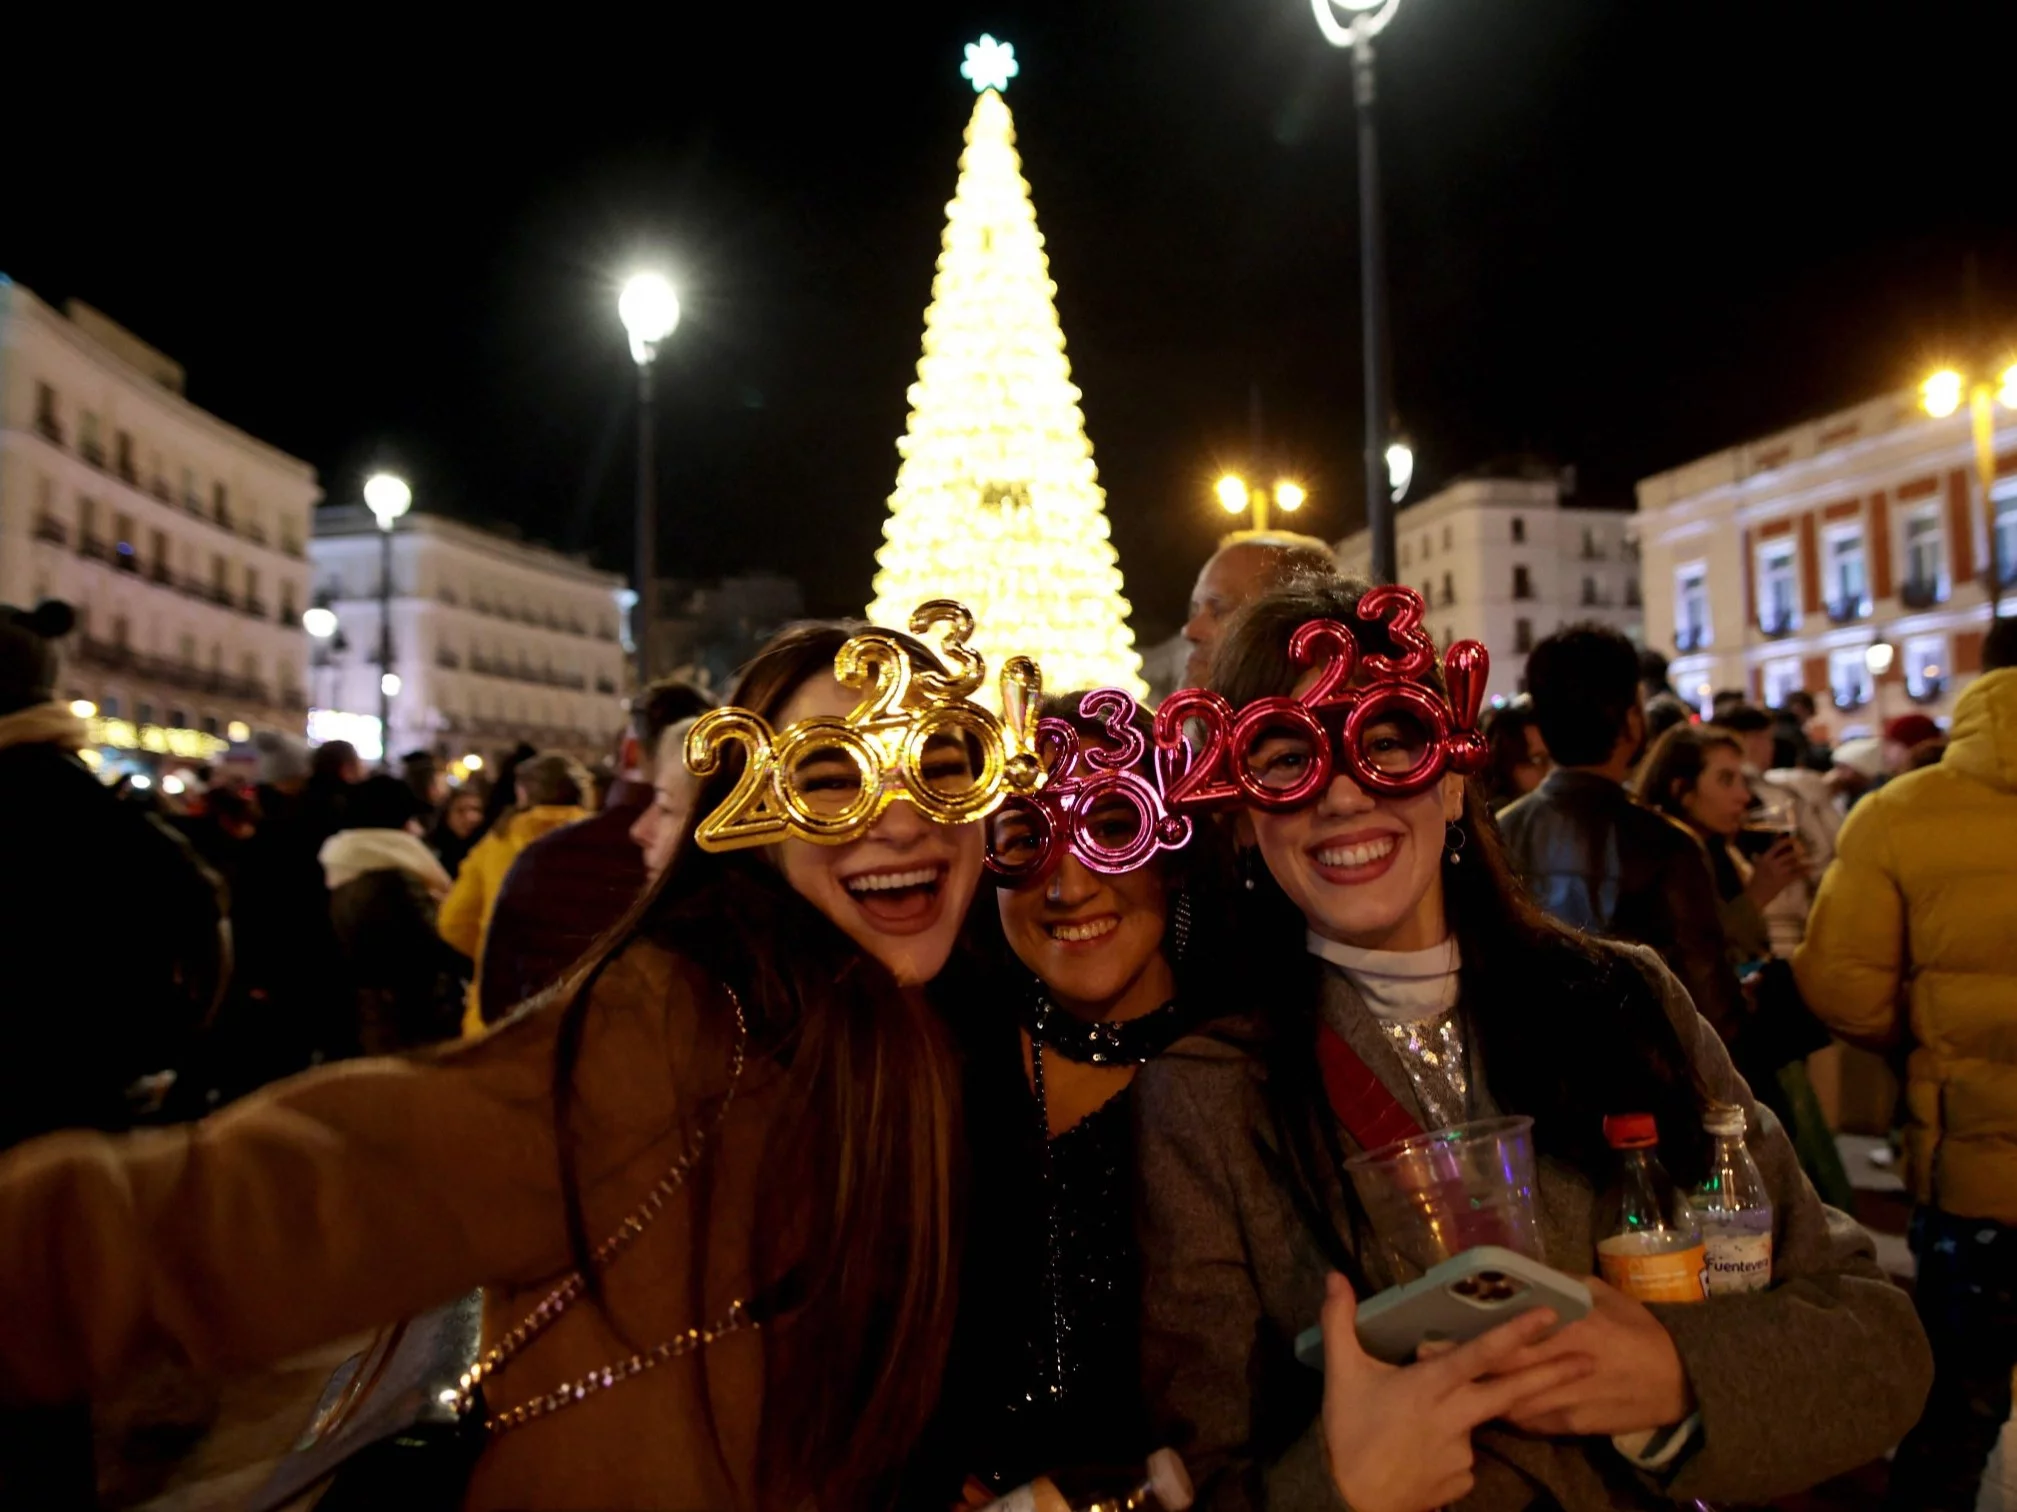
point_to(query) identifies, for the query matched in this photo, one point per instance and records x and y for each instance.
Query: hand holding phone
(1464, 1297)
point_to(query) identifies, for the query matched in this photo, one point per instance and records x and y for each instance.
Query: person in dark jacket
(1592, 856)
(112, 946)
(459, 825)
(384, 888)
(571, 885)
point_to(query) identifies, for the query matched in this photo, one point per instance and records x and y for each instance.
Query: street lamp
(387, 497)
(1235, 497)
(1400, 468)
(1940, 395)
(319, 621)
(649, 311)
(1363, 21)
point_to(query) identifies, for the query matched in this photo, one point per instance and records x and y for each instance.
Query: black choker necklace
(1115, 1042)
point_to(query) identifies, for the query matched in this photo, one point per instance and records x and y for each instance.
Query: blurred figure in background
(456, 826)
(504, 788)
(1912, 741)
(385, 887)
(1244, 567)
(1911, 947)
(98, 896)
(663, 820)
(1591, 856)
(423, 774)
(1653, 681)
(1663, 713)
(1519, 756)
(566, 888)
(550, 792)
(333, 770)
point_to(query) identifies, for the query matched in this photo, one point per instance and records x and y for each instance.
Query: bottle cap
(1631, 1131)
(1169, 1481)
(1726, 1119)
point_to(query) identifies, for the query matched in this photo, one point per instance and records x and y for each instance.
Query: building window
(220, 504)
(1776, 680)
(122, 456)
(87, 439)
(1407, 555)
(158, 557)
(1523, 635)
(1428, 595)
(2003, 540)
(1425, 545)
(1631, 593)
(1590, 599)
(144, 713)
(1925, 562)
(1691, 607)
(1778, 612)
(1926, 666)
(1449, 591)
(1849, 678)
(1446, 538)
(1519, 530)
(45, 414)
(1848, 576)
(190, 501)
(1523, 584)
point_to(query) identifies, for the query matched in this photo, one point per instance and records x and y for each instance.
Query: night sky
(1620, 235)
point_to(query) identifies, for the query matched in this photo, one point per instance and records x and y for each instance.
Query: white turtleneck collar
(1399, 986)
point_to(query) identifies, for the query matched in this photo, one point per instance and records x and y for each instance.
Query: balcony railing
(290, 547)
(161, 573)
(252, 608)
(160, 489)
(443, 657)
(604, 685)
(1846, 611)
(255, 533)
(1777, 626)
(1691, 637)
(1927, 691)
(92, 452)
(1921, 593)
(94, 548)
(127, 471)
(49, 428)
(49, 528)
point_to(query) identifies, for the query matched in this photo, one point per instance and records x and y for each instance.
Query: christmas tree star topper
(989, 64)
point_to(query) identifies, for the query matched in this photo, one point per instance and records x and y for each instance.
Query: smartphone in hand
(1467, 1295)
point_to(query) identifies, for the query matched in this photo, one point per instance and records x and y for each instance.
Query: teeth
(1363, 854)
(892, 881)
(1078, 931)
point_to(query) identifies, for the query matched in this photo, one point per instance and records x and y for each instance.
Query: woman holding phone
(1381, 913)
(707, 1187)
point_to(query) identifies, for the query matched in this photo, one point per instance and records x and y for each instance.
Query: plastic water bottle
(1162, 1485)
(1734, 1209)
(1651, 1248)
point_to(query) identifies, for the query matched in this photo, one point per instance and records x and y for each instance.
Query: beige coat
(373, 1190)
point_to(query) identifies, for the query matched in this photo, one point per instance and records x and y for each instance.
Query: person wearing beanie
(385, 886)
(95, 892)
(1912, 741)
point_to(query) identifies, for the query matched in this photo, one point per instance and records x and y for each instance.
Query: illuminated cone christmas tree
(997, 502)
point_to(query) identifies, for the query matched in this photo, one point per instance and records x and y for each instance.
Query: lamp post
(1368, 18)
(650, 312)
(1236, 498)
(1940, 395)
(387, 497)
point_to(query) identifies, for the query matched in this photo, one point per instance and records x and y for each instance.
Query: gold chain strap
(570, 1291)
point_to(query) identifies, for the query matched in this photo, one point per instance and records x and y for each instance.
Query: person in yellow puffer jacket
(1912, 945)
(552, 791)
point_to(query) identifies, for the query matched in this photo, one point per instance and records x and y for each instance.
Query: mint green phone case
(1465, 1296)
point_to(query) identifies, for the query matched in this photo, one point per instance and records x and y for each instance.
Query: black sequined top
(1042, 1377)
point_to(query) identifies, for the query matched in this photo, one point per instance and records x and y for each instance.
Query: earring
(1454, 841)
(1180, 927)
(1250, 867)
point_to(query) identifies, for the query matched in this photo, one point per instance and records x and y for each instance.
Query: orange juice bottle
(1651, 1248)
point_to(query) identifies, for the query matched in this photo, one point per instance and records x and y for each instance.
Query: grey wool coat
(1821, 1373)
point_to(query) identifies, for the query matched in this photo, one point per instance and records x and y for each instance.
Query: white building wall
(1861, 475)
(494, 640)
(179, 540)
(1500, 561)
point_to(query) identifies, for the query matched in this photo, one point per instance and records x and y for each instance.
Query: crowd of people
(815, 1136)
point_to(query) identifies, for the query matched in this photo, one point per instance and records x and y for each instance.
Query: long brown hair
(1676, 764)
(1566, 1031)
(855, 1241)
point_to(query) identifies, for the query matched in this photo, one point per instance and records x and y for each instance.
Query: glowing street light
(83, 708)
(1400, 468)
(473, 762)
(1878, 656)
(318, 621)
(1940, 395)
(1235, 497)
(1352, 24)
(649, 310)
(389, 684)
(387, 497)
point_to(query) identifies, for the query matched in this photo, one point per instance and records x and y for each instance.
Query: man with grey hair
(1247, 564)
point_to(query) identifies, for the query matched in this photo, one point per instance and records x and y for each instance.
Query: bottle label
(1739, 1262)
(1672, 1275)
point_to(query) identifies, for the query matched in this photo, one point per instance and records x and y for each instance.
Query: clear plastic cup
(1436, 1195)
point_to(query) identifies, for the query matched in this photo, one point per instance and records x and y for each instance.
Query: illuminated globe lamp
(649, 310)
(1236, 498)
(319, 622)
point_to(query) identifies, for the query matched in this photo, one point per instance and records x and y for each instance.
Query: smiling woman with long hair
(1382, 917)
(707, 1187)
